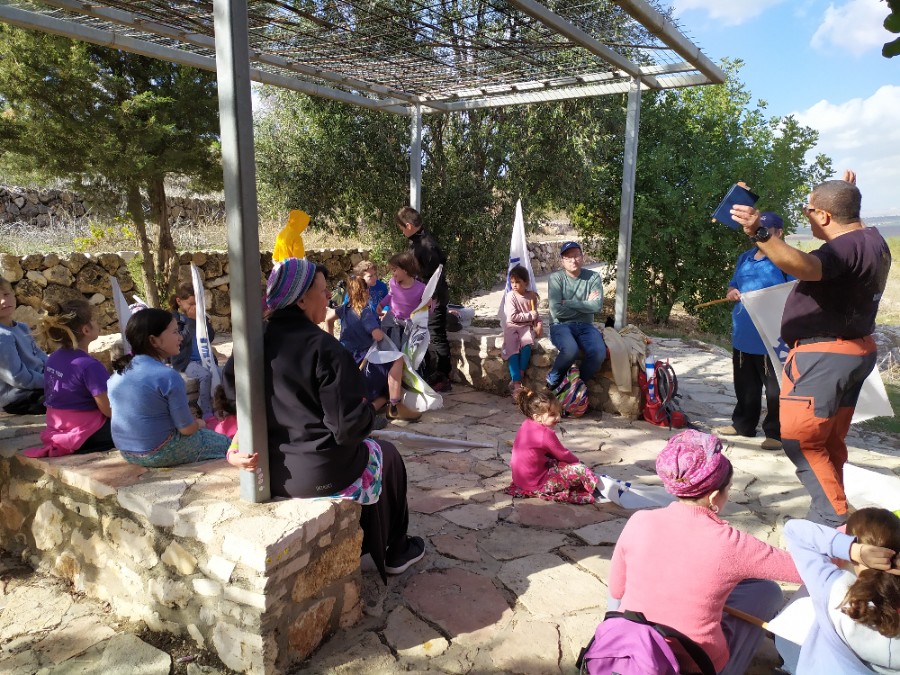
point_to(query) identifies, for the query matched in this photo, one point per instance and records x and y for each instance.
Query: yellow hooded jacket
(289, 242)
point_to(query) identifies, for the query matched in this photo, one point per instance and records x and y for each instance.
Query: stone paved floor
(505, 587)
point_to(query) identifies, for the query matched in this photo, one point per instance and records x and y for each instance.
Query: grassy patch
(889, 425)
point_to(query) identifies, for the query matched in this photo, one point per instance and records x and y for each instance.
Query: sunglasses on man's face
(807, 209)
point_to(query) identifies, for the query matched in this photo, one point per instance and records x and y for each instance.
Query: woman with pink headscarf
(682, 564)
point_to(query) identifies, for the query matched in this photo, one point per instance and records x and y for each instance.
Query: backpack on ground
(662, 410)
(572, 394)
(626, 643)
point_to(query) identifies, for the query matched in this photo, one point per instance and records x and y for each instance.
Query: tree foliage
(349, 168)
(892, 25)
(100, 117)
(694, 144)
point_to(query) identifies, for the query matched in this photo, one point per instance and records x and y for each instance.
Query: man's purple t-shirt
(844, 303)
(72, 379)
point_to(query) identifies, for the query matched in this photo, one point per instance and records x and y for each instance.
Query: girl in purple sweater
(541, 465)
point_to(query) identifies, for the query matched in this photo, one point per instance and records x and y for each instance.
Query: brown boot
(402, 412)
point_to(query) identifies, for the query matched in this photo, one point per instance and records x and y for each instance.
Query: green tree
(349, 168)
(107, 119)
(892, 25)
(695, 143)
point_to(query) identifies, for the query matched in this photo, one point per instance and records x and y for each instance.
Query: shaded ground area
(506, 586)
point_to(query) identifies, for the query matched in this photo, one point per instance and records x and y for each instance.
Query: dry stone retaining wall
(43, 207)
(64, 276)
(57, 277)
(260, 584)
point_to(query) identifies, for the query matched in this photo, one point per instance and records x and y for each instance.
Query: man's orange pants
(819, 389)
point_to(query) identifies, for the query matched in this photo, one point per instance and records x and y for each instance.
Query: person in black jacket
(319, 419)
(429, 255)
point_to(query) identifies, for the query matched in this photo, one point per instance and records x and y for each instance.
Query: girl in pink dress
(541, 465)
(521, 326)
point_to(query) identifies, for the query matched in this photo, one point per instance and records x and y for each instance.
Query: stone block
(336, 562)
(48, 527)
(169, 592)
(10, 269)
(59, 274)
(207, 587)
(132, 540)
(176, 557)
(306, 633)
(37, 278)
(219, 568)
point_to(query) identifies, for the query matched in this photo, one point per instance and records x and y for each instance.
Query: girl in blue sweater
(21, 361)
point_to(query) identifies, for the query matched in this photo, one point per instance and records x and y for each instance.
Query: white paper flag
(518, 255)
(766, 307)
(204, 345)
(123, 311)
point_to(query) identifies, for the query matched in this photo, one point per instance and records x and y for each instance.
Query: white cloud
(863, 135)
(727, 12)
(855, 27)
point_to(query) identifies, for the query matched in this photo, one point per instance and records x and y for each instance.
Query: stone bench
(261, 585)
(475, 355)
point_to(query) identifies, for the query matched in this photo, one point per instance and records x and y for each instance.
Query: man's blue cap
(768, 219)
(568, 246)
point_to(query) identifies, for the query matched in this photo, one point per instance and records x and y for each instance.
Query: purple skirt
(376, 377)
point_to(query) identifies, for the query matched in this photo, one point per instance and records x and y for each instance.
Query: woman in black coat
(319, 419)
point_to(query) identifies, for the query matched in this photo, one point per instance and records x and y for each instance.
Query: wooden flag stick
(711, 302)
(749, 618)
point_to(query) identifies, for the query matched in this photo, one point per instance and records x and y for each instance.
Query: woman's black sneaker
(414, 552)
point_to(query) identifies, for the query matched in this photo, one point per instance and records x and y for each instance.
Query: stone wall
(545, 256)
(475, 354)
(43, 207)
(259, 584)
(56, 277)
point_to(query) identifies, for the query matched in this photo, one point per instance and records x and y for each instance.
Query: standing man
(828, 322)
(575, 294)
(429, 255)
(750, 362)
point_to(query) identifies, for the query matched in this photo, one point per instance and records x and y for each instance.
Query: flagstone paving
(507, 586)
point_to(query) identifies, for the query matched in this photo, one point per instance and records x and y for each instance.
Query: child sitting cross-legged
(541, 465)
(74, 382)
(152, 423)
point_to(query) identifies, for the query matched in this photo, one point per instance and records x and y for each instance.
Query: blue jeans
(568, 338)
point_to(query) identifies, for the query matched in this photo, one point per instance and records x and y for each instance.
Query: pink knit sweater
(534, 447)
(677, 565)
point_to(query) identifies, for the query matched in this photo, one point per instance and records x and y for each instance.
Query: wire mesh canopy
(396, 55)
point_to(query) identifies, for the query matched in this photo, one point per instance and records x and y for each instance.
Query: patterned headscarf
(288, 281)
(692, 464)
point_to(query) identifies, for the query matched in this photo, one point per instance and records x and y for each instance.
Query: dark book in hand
(736, 195)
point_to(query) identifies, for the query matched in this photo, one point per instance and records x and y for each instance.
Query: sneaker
(442, 386)
(403, 412)
(726, 431)
(771, 444)
(380, 422)
(514, 388)
(414, 552)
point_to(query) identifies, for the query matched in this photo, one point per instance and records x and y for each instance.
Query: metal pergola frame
(430, 58)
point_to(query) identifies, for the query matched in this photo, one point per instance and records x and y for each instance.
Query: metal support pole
(415, 158)
(239, 173)
(626, 214)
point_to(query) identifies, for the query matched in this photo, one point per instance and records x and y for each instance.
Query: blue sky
(819, 60)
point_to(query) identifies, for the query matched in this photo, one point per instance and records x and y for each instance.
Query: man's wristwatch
(762, 235)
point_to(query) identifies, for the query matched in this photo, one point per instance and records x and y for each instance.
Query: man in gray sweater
(575, 294)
